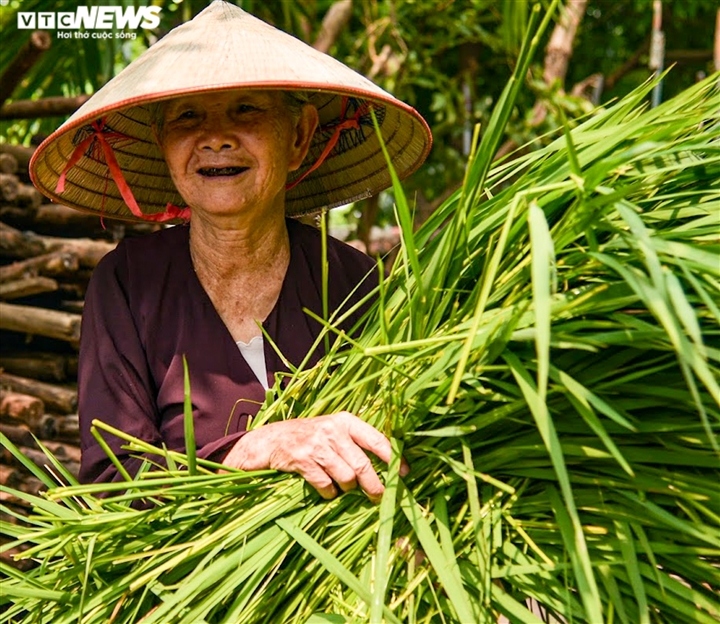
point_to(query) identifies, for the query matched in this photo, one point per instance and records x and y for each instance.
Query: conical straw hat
(225, 48)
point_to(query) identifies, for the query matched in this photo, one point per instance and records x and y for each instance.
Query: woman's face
(229, 153)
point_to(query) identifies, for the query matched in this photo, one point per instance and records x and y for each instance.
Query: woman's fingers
(361, 466)
(372, 440)
(318, 478)
(347, 472)
(340, 472)
(327, 451)
(367, 437)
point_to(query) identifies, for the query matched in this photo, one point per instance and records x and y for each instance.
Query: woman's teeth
(220, 171)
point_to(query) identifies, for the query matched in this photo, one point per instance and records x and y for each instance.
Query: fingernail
(404, 468)
(375, 498)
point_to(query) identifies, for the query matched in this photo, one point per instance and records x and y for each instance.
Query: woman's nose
(218, 133)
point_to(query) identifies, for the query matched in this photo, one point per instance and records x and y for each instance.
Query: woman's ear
(305, 127)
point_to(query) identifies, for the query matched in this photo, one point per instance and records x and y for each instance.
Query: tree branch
(335, 20)
(21, 64)
(628, 65)
(559, 49)
(46, 107)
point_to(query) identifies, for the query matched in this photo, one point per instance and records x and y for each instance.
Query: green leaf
(330, 563)
(445, 567)
(188, 422)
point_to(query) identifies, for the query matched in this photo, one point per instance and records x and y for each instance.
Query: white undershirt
(254, 354)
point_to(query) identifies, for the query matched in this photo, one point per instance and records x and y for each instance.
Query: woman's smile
(221, 172)
(229, 153)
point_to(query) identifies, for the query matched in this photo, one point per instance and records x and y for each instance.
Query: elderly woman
(228, 127)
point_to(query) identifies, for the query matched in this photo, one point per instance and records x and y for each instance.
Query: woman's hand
(325, 451)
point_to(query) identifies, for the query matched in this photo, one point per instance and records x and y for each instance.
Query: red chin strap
(101, 135)
(346, 123)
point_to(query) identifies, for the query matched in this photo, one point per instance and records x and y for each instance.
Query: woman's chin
(228, 211)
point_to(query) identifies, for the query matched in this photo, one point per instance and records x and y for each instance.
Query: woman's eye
(246, 108)
(186, 114)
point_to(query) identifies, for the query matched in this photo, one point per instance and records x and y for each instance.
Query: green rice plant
(545, 355)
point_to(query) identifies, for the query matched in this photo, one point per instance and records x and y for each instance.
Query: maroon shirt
(145, 309)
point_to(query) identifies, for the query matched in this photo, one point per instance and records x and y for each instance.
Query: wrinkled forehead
(292, 101)
(221, 99)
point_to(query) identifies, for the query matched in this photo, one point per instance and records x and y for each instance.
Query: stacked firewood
(47, 254)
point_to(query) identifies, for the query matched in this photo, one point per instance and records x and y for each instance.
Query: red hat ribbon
(102, 136)
(346, 123)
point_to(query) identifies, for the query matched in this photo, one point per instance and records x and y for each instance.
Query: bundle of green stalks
(545, 356)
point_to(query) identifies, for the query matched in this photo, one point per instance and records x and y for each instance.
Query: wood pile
(47, 254)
